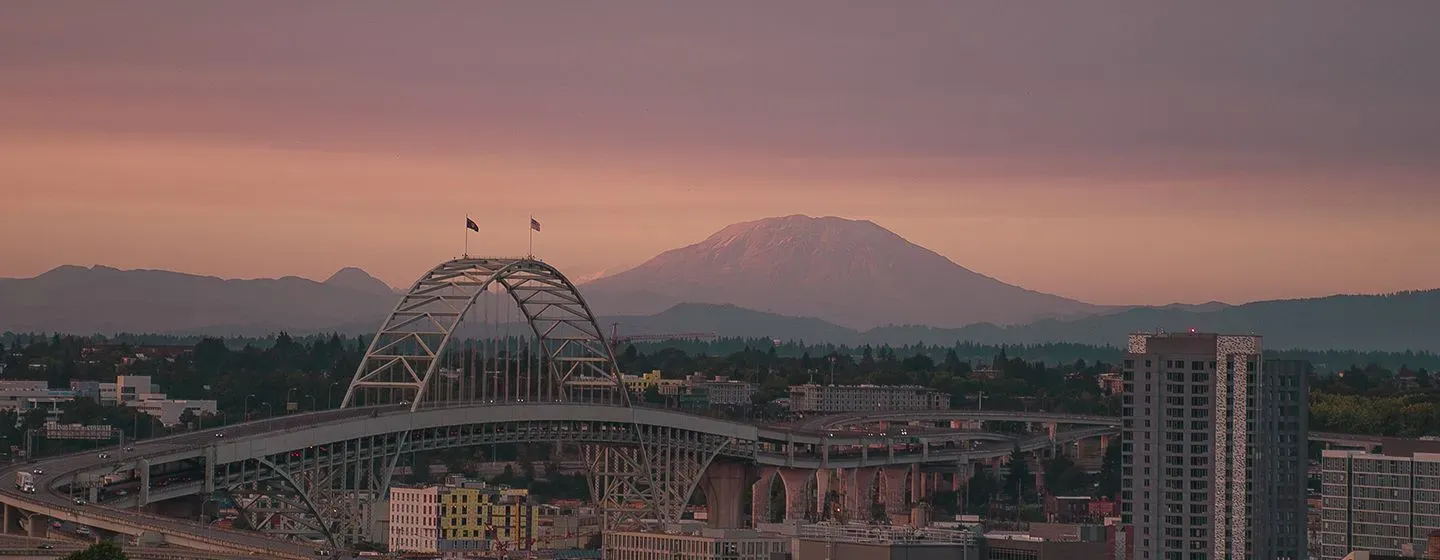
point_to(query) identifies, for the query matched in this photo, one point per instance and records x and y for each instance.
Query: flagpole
(466, 254)
(530, 227)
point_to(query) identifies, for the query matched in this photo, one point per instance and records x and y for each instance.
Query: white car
(79, 502)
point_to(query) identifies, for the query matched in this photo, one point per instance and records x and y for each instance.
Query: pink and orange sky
(1120, 152)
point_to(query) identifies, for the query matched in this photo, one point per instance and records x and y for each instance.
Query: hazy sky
(1116, 152)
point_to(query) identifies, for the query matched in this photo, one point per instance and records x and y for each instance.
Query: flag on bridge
(471, 225)
(535, 225)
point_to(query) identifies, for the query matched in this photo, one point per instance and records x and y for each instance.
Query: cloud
(1115, 86)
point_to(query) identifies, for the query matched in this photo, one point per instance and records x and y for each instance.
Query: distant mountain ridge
(104, 300)
(849, 272)
(1391, 322)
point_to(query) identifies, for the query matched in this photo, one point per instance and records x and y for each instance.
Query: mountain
(1391, 323)
(106, 300)
(731, 321)
(355, 279)
(853, 273)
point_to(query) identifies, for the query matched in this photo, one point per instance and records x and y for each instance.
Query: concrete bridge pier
(856, 485)
(822, 490)
(894, 486)
(11, 520)
(36, 526)
(723, 485)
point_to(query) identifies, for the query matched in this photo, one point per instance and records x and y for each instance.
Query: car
(121, 492)
(129, 449)
(46, 546)
(79, 502)
(322, 552)
(38, 471)
(104, 455)
(219, 434)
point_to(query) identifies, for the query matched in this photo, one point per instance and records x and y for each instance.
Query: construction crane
(616, 340)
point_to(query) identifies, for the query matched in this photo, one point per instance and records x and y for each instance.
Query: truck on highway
(25, 481)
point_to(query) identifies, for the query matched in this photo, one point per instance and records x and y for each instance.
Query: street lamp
(312, 402)
(327, 393)
(246, 416)
(289, 398)
(269, 410)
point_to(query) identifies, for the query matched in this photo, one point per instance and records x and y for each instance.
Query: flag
(535, 225)
(470, 224)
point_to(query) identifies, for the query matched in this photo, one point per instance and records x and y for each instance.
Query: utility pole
(980, 400)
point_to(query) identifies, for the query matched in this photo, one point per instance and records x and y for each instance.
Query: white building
(701, 544)
(414, 519)
(139, 392)
(721, 390)
(813, 397)
(21, 396)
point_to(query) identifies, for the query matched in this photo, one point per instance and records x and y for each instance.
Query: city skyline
(261, 140)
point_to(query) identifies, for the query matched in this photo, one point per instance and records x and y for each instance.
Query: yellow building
(483, 517)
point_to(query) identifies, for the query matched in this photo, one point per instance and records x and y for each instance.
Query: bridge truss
(330, 491)
(478, 331)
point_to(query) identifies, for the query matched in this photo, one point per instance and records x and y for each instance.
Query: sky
(1117, 152)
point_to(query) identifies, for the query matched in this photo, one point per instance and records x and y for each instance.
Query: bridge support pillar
(1104, 443)
(822, 493)
(894, 481)
(723, 484)
(796, 487)
(37, 526)
(142, 468)
(856, 485)
(759, 496)
(10, 519)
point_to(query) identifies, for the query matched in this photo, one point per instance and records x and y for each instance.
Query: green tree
(979, 490)
(1020, 483)
(653, 396)
(1063, 476)
(1109, 483)
(99, 551)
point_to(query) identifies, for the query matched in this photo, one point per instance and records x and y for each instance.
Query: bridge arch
(402, 360)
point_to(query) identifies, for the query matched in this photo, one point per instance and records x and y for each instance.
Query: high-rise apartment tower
(1214, 449)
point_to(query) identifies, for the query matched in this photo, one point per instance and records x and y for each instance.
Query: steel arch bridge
(408, 351)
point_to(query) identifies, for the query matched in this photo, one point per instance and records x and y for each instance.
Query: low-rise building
(559, 526)
(722, 391)
(139, 392)
(858, 541)
(461, 518)
(826, 399)
(694, 544)
(23, 396)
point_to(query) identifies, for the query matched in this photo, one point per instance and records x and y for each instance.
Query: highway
(59, 470)
(308, 429)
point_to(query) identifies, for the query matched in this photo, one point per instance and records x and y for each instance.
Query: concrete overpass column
(210, 469)
(722, 484)
(142, 470)
(822, 490)
(38, 525)
(796, 483)
(760, 496)
(894, 494)
(857, 484)
(1104, 443)
(919, 484)
(10, 520)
